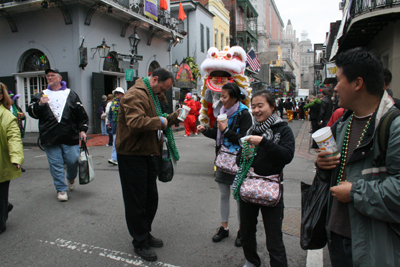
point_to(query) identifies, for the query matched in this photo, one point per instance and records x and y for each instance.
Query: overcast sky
(311, 15)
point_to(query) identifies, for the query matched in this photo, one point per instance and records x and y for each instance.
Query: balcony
(361, 6)
(249, 25)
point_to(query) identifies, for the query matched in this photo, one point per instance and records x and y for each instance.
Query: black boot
(221, 234)
(238, 242)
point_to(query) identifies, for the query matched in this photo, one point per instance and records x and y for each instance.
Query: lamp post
(175, 67)
(134, 40)
(103, 49)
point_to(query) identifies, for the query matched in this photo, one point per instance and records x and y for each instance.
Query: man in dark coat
(326, 108)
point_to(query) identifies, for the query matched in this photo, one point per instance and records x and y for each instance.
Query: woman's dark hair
(234, 91)
(6, 101)
(268, 96)
(358, 62)
(163, 75)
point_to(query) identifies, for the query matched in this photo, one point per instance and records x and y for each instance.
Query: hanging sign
(129, 75)
(150, 9)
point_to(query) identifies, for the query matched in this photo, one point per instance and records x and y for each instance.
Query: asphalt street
(90, 229)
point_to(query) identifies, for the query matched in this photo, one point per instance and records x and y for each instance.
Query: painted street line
(123, 257)
(315, 258)
(40, 156)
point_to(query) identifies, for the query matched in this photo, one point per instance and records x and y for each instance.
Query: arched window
(33, 60)
(153, 65)
(111, 62)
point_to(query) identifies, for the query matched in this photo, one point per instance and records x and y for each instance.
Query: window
(208, 38)
(202, 37)
(215, 37)
(222, 41)
(227, 41)
(33, 60)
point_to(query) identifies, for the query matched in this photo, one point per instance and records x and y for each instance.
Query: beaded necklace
(168, 131)
(345, 148)
(245, 163)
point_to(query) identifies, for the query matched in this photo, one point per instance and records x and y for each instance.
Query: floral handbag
(261, 190)
(226, 160)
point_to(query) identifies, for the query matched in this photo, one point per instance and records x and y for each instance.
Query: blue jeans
(58, 155)
(114, 150)
(103, 127)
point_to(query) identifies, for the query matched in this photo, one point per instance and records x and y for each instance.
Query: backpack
(383, 135)
(100, 111)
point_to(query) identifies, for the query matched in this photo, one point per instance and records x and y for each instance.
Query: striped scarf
(264, 127)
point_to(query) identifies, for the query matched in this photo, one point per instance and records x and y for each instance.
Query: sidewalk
(303, 149)
(30, 139)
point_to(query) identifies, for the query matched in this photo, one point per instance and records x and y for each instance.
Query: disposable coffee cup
(184, 113)
(222, 117)
(243, 139)
(325, 141)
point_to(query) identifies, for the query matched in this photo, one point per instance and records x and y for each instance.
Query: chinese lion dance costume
(222, 67)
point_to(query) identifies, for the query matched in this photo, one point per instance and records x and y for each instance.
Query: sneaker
(195, 133)
(221, 234)
(154, 242)
(238, 242)
(146, 253)
(108, 145)
(71, 185)
(62, 196)
(113, 161)
(186, 135)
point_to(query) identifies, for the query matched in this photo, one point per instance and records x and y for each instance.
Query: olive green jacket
(10, 145)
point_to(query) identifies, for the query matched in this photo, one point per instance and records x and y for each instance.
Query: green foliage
(194, 68)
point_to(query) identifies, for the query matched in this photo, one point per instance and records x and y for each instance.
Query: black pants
(272, 218)
(138, 176)
(4, 186)
(314, 127)
(340, 251)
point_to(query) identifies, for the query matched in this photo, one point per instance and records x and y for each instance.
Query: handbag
(261, 190)
(314, 202)
(103, 116)
(226, 161)
(85, 161)
(167, 164)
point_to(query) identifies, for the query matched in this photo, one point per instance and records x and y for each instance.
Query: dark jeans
(340, 251)
(272, 218)
(110, 137)
(4, 186)
(314, 127)
(138, 176)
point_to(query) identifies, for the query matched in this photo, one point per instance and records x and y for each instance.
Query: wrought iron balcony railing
(164, 17)
(249, 24)
(362, 6)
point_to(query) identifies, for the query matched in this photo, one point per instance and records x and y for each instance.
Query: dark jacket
(326, 109)
(288, 105)
(315, 107)
(138, 123)
(74, 120)
(273, 155)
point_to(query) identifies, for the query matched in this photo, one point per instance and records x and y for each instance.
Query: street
(90, 229)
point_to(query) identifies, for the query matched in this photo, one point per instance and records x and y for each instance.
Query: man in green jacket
(363, 219)
(314, 106)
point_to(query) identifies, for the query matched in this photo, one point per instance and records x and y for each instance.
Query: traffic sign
(138, 57)
(129, 75)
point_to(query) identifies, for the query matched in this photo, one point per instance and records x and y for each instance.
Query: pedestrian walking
(228, 133)
(108, 123)
(138, 149)
(326, 110)
(190, 120)
(314, 106)
(363, 215)
(62, 123)
(289, 109)
(276, 143)
(113, 119)
(281, 104)
(301, 109)
(11, 155)
(103, 115)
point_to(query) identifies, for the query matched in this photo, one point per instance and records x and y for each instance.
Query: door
(98, 89)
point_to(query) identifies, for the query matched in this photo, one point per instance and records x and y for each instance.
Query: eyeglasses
(51, 75)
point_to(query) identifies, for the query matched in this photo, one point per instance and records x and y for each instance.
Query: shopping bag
(167, 164)
(85, 161)
(314, 201)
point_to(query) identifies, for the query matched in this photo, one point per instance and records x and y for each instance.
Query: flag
(182, 15)
(252, 61)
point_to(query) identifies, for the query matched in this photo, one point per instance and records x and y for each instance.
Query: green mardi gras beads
(246, 160)
(173, 150)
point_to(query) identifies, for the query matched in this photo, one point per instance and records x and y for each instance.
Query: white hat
(119, 90)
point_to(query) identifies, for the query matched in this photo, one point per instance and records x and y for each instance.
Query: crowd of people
(363, 217)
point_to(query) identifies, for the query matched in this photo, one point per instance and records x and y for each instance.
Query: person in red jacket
(335, 116)
(190, 121)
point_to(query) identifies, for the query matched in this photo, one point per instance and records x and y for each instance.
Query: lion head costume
(222, 67)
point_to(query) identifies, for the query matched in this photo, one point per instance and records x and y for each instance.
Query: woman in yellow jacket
(11, 154)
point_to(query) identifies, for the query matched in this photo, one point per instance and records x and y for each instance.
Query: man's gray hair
(104, 97)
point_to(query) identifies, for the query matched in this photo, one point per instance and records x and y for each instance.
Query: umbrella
(163, 5)
(182, 15)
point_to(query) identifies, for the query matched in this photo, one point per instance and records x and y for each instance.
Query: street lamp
(134, 40)
(175, 67)
(103, 49)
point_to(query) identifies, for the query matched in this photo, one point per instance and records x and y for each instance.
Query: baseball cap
(119, 90)
(52, 70)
